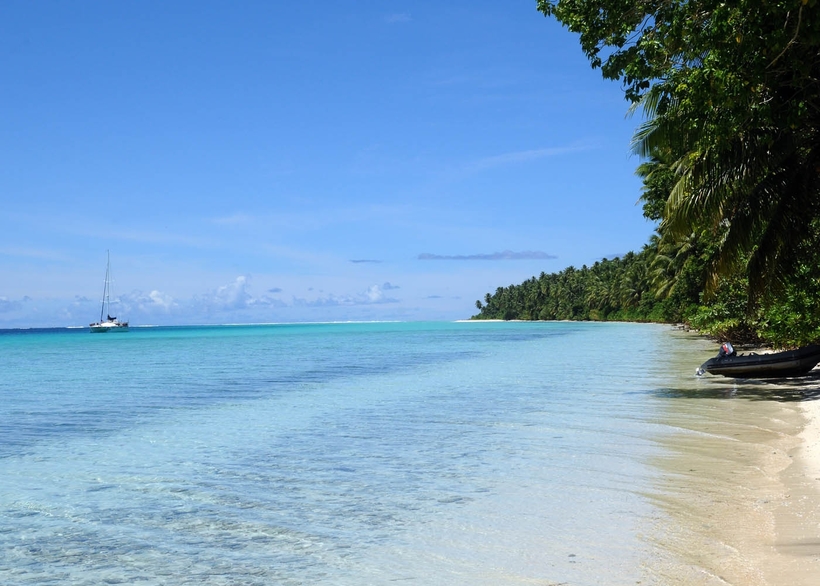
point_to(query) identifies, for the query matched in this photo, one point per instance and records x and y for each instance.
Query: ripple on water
(347, 454)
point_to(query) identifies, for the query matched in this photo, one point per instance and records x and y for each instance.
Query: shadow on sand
(799, 388)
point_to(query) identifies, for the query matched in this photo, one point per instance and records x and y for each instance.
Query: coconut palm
(756, 192)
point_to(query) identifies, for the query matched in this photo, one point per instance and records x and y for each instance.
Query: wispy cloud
(364, 260)
(237, 219)
(518, 157)
(397, 17)
(71, 223)
(33, 253)
(307, 216)
(485, 78)
(505, 255)
(458, 79)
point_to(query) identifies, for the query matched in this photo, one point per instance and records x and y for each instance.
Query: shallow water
(432, 453)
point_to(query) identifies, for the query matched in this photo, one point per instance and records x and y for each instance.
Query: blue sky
(282, 161)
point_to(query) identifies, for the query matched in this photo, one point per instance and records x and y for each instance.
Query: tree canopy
(731, 96)
(730, 142)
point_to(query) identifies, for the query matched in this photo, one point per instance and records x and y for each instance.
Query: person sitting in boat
(726, 349)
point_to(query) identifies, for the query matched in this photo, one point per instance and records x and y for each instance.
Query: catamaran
(109, 324)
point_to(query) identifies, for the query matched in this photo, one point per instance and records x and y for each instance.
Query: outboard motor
(726, 349)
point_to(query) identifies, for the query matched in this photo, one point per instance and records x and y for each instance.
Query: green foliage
(730, 92)
(618, 289)
(787, 317)
(627, 289)
(726, 316)
(791, 316)
(658, 179)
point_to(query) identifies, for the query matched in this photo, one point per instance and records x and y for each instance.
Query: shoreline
(809, 451)
(739, 479)
(797, 537)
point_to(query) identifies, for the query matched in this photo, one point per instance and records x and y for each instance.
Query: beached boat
(109, 324)
(778, 364)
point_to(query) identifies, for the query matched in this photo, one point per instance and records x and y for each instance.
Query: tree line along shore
(729, 146)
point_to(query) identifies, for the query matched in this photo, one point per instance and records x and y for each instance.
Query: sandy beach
(740, 483)
(798, 520)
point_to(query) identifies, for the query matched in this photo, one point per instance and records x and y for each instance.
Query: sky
(271, 161)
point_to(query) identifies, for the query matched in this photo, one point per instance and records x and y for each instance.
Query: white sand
(741, 485)
(809, 451)
(797, 518)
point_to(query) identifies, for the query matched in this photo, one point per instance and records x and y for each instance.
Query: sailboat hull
(108, 326)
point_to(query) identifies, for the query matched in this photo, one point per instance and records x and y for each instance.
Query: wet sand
(739, 483)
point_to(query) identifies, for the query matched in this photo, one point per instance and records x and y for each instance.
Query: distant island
(730, 149)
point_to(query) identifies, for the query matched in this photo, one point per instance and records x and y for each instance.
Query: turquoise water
(430, 453)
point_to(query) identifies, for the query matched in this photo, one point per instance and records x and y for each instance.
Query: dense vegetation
(730, 94)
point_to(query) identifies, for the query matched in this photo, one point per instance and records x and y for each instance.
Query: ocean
(362, 453)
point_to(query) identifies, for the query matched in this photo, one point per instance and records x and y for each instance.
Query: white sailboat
(109, 324)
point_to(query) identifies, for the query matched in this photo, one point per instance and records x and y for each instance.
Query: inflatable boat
(787, 363)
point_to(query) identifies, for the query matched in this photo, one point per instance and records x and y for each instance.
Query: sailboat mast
(105, 287)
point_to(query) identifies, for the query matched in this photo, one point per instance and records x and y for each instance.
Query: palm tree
(756, 191)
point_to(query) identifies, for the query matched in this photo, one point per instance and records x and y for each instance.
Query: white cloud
(161, 300)
(231, 296)
(373, 295)
(145, 303)
(266, 301)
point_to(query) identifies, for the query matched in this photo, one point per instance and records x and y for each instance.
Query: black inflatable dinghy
(786, 363)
